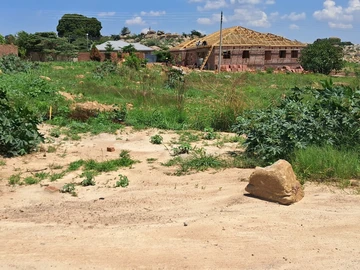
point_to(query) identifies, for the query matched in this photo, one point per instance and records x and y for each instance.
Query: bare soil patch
(161, 221)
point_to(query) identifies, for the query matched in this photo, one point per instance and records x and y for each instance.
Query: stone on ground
(276, 183)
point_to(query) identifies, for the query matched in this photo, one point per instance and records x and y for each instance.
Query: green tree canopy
(74, 25)
(125, 31)
(47, 43)
(129, 49)
(322, 57)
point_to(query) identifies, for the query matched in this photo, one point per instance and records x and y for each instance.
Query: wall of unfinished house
(241, 57)
(258, 57)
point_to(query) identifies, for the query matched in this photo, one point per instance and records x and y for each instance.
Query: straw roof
(239, 36)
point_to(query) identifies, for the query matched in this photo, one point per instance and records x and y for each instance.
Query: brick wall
(85, 56)
(8, 49)
(256, 60)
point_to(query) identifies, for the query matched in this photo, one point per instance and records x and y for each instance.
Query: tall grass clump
(326, 163)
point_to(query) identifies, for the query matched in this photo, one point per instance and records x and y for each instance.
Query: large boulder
(276, 183)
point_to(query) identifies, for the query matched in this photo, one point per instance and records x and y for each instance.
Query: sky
(302, 20)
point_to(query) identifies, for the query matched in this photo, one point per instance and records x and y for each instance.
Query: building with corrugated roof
(242, 49)
(119, 44)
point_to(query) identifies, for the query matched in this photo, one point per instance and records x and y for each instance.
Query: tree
(10, 39)
(322, 57)
(129, 49)
(75, 25)
(109, 49)
(196, 33)
(125, 31)
(95, 54)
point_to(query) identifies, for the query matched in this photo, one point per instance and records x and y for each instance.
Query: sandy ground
(161, 221)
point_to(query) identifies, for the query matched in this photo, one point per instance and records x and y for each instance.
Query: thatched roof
(239, 36)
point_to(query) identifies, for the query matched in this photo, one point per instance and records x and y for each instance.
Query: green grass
(2, 162)
(198, 161)
(15, 179)
(326, 164)
(206, 99)
(31, 180)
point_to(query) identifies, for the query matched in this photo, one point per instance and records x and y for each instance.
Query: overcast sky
(303, 20)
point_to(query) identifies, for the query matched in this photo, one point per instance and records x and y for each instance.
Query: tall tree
(75, 25)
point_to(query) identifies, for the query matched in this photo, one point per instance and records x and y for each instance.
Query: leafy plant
(209, 134)
(89, 179)
(69, 188)
(156, 139)
(123, 181)
(19, 133)
(305, 117)
(183, 148)
(12, 64)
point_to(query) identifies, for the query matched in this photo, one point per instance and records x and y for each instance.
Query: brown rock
(110, 149)
(276, 183)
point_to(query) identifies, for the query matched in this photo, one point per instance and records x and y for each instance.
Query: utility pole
(220, 48)
(87, 41)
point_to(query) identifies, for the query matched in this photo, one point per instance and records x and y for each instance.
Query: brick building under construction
(242, 49)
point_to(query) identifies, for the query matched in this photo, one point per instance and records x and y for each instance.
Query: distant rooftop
(119, 44)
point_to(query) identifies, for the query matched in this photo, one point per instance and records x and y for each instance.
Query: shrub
(123, 181)
(156, 139)
(19, 134)
(12, 64)
(305, 117)
(134, 62)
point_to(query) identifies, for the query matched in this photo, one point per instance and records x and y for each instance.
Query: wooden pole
(220, 48)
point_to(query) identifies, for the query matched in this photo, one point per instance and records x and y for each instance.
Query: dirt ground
(161, 221)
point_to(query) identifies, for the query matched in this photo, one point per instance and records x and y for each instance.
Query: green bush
(322, 57)
(319, 117)
(19, 134)
(12, 64)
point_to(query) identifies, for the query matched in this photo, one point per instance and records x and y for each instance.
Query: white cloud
(152, 13)
(204, 21)
(270, 2)
(340, 25)
(294, 27)
(107, 14)
(293, 16)
(215, 18)
(354, 5)
(250, 17)
(135, 21)
(211, 5)
(332, 12)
